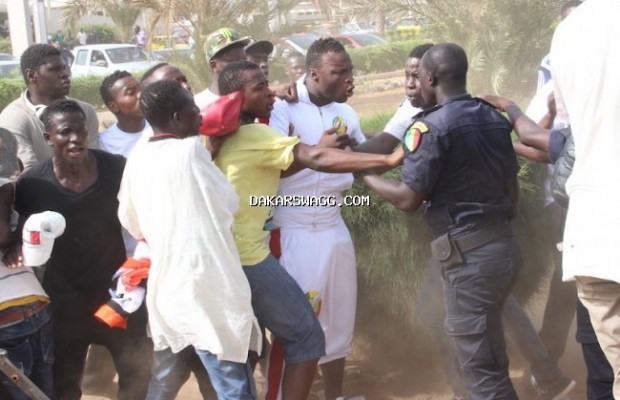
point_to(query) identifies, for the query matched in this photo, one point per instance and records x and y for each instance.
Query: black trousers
(131, 350)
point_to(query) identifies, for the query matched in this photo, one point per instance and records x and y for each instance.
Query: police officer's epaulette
(427, 111)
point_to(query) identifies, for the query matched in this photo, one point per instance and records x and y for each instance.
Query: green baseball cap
(223, 39)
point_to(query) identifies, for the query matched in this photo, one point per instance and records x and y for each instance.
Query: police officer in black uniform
(460, 160)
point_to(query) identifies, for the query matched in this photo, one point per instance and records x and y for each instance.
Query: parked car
(8, 57)
(9, 69)
(103, 59)
(299, 42)
(359, 40)
(172, 54)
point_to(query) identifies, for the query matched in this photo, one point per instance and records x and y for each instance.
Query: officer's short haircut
(160, 100)
(418, 51)
(8, 154)
(322, 46)
(108, 82)
(61, 106)
(34, 56)
(232, 77)
(149, 72)
(448, 62)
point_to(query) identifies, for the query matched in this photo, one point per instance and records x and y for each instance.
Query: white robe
(174, 197)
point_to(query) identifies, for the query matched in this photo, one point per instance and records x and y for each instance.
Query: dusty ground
(406, 368)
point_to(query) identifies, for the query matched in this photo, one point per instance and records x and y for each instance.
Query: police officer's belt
(449, 250)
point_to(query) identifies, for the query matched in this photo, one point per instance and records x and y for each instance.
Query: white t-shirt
(82, 37)
(115, 141)
(590, 91)
(401, 120)
(205, 98)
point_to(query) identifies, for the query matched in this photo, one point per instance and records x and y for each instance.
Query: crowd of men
(207, 276)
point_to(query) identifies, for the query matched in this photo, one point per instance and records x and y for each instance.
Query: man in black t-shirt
(82, 185)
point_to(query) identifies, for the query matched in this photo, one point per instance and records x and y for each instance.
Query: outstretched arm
(395, 193)
(530, 134)
(336, 160)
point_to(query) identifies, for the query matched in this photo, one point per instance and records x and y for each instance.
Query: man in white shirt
(317, 249)
(590, 92)
(47, 78)
(119, 91)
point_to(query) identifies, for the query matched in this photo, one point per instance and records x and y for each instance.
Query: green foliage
(5, 45)
(504, 39)
(103, 33)
(10, 89)
(382, 58)
(86, 88)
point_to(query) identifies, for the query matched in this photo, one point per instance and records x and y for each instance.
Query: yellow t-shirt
(252, 160)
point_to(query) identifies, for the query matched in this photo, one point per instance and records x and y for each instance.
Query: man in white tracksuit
(317, 249)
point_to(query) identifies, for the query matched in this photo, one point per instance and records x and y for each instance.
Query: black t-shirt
(78, 275)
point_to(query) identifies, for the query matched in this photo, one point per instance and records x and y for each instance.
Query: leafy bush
(10, 89)
(382, 58)
(5, 45)
(101, 33)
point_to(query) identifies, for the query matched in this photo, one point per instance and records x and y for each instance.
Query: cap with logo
(222, 40)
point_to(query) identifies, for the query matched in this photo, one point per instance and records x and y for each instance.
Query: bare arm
(531, 153)
(395, 193)
(528, 131)
(383, 143)
(6, 208)
(336, 160)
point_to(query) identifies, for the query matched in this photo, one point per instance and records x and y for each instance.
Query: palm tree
(121, 12)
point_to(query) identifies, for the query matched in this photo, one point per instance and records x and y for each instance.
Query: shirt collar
(36, 109)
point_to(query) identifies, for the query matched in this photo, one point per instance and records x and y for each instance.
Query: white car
(103, 59)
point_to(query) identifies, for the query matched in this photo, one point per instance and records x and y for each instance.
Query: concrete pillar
(40, 25)
(20, 25)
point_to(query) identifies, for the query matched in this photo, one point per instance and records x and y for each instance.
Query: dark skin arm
(6, 203)
(396, 193)
(383, 143)
(13, 257)
(530, 134)
(336, 160)
(329, 139)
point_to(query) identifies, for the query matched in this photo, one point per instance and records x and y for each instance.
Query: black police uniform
(460, 155)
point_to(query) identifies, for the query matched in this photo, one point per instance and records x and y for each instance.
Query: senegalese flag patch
(343, 128)
(413, 136)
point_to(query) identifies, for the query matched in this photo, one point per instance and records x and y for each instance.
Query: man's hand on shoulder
(286, 92)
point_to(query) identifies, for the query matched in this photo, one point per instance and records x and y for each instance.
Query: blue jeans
(29, 345)
(230, 380)
(282, 307)
(475, 292)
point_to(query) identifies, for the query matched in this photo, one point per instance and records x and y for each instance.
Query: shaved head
(447, 62)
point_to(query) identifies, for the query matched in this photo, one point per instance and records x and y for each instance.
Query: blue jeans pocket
(20, 353)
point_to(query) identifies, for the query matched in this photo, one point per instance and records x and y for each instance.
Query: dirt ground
(406, 369)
